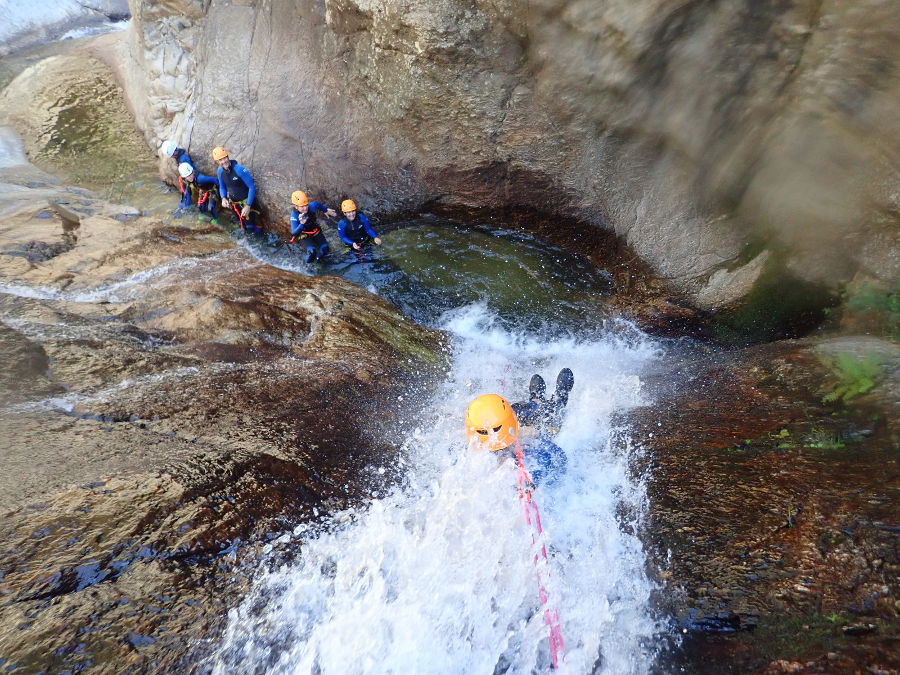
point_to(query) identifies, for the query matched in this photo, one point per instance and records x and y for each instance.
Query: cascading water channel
(437, 575)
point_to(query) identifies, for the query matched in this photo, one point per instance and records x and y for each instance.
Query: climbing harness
(541, 562)
(367, 241)
(204, 197)
(238, 206)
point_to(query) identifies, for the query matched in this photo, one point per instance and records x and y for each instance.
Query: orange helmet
(348, 205)
(219, 153)
(299, 198)
(491, 423)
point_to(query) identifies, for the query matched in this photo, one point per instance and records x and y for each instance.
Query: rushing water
(437, 575)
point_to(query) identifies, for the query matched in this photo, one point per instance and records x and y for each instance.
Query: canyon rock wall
(720, 141)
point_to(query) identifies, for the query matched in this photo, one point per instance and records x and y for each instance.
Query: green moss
(779, 306)
(855, 375)
(822, 439)
(881, 304)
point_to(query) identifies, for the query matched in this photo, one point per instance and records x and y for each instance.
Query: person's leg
(537, 387)
(250, 221)
(310, 253)
(320, 243)
(564, 383)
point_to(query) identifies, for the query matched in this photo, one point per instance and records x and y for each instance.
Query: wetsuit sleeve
(223, 191)
(366, 224)
(206, 181)
(248, 179)
(185, 188)
(186, 158)
(342, 229)
(317, 206)
(295, 223)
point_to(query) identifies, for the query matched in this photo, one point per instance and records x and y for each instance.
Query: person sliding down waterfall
(200, 189)
(492, 424)
(354, 228)
(237, 189)
(304, 225)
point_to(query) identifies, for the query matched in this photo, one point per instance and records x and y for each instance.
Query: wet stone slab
(773, 520)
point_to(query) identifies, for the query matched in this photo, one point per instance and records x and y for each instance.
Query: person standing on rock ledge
(354, 228)
(198, 188)
(237, 189)
(180, 155)
(304, 225)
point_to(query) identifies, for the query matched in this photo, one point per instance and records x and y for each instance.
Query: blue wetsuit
(181, 157)
(203, 187)
(310, 231)
(356, 231)
(237, 184)
(544, 459)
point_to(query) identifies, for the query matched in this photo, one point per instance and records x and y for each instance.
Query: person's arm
(248, 179)
(296, 226)
(342, 227)
(327, 210)
(223, 191)
(366, 224)
(369, 230)
(185, 188)
(206, 182)
(187, 159)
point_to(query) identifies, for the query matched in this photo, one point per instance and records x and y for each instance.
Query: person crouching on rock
(180, 155)
(304, 225)
(237, 189)
(354, 228)
(196, 188)
(492, 425)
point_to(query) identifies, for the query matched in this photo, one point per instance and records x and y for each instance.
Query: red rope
(533, 520)
(238, 212)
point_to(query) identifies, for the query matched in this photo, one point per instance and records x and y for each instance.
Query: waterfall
(437, 575)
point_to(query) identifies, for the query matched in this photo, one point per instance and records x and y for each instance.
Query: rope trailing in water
(533, 520)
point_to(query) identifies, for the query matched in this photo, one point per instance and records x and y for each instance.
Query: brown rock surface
(773, 520)
(166, 399)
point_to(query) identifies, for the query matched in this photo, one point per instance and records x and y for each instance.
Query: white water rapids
(437, 577)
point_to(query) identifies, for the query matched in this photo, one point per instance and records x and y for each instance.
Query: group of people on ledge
(234, 190)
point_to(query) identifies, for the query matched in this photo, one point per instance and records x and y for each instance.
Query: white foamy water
(12, 151)
(28, 23)
(437, 577)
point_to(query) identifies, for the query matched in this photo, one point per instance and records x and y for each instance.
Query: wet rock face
(772, 526)
(168, 405)
(689, 130)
